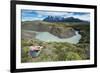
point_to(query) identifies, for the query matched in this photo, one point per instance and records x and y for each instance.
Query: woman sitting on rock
(34, 51)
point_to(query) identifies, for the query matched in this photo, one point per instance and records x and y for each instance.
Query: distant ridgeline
(62, 19)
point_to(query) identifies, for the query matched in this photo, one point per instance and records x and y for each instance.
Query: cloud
(29, 15)
(85, 17)
(49, 13)
(80, 13)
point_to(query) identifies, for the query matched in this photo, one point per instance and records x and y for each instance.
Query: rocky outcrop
(61, 32)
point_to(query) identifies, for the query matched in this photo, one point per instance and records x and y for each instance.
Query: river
(48, 37)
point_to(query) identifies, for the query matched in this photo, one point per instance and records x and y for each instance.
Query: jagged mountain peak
(62, 19)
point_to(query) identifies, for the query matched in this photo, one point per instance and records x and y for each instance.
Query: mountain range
(62, 19)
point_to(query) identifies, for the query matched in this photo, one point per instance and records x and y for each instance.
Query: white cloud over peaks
(49, 13)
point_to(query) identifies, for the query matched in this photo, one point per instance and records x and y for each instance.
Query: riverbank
(47, 37)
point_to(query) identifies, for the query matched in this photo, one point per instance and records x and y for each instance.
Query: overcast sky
(31, 15)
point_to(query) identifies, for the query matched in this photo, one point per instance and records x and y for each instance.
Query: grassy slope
(59, 51)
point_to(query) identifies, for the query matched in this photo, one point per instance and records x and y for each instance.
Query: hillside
(55, 51)
(59, 30)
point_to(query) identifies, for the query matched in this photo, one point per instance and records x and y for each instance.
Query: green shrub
(72, 56)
